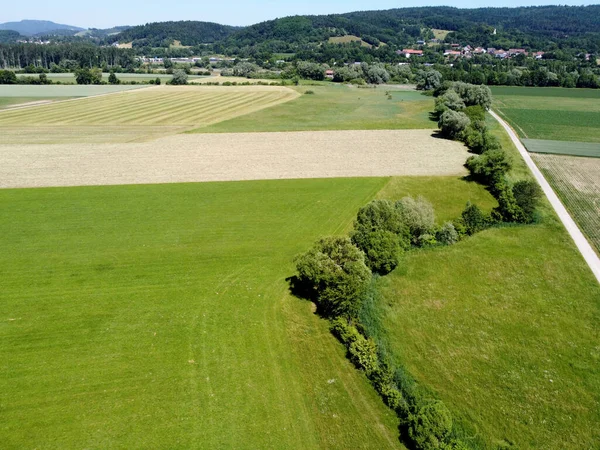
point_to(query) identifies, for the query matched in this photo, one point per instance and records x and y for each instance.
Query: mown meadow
(158, 316)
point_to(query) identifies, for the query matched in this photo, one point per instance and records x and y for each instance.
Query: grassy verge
(153, 316)
(338, 107)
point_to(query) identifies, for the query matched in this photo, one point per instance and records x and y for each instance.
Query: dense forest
(162, 34)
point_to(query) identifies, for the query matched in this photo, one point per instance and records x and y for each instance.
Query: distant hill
(188, 32)
(7, 36)
(33, 27)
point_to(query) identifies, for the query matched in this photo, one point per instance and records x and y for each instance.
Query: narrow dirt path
(582, 244)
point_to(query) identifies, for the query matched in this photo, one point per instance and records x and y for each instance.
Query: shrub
(508, 209)
(363, 354)
(309, 92)
(244, 69)
(310, 71)
(377, 74)
(475, 112)
(7, 77)
(426, 240)
(474, 219)
(380, 215)
(418, 215)
(179, 77)
(381, 249)
(447, 234)
(449, 100)
(334, 269)
(490, 167)
(345, 332)
(429, 80)
(452, 123)
(112, 79)
(527, 194)
(430, 426)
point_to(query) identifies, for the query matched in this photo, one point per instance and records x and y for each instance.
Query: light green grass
(563, 147)
(159, 317)
(502, 327)
(13, 101)
(57, 91)
(337, 107)
(551, 113)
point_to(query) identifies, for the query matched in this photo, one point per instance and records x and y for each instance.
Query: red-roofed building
(408, 52)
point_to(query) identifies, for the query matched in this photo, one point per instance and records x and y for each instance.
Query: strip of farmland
(588, 149)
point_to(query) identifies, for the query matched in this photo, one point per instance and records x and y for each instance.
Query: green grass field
(563, 147)
(502, 327)
(159, 316)
(336, 107)
(551, 113)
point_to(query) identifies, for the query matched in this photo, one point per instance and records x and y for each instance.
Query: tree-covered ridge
(161, 34)
(9, 36)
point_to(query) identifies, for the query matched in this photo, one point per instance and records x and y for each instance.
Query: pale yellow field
(221, 80)
(235, 156)
(136, 115)
(576, 180)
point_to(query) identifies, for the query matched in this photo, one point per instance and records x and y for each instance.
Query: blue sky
(108, 13)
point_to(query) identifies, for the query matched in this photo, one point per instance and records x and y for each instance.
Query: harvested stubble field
(235, 156)
(577, 183)
(136, 115)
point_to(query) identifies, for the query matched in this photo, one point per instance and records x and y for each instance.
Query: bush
(490, 167)
(527, 194)
(417, 215)
(112, 79)
(179, 77)
(430, 426)
(447, 234)
(429, 80)
(85, 75)
(426, 240)
(334, 269)
(310, 71)
(376, 74)
(449, 100)
(474, 219)
(7, 77)
(363, 354)
(345, 332)
(381, 249)
(453, 123)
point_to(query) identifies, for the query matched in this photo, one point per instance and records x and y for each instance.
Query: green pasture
(502, 327)
(563, 147)
(57, 91)
(338, 107)
(551, 113)
(159, 317)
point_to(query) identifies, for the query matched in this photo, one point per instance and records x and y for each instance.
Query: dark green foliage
(474, 220)
(7, 77)
(335, 271)
(381, 249)
(9, 36)
(475, 113)
(157, 81)
(490, 167)
(161, 34)
(310, 71)
(112, 79)
(179, 77)
(85, 75)
(430, 426)
(380, 215)
(527, 195)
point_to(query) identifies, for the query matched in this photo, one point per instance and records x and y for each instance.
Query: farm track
(580, 240)
(236, 156)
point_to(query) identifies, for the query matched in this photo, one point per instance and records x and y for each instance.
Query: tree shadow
(301, 289)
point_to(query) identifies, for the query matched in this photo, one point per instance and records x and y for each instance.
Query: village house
(408, 52)
(329, 73)
(452, 53)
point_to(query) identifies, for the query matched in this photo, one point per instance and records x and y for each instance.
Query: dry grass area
(576, 180)
(136, 115)
(220, 79)
(236, 156)
(347, 39)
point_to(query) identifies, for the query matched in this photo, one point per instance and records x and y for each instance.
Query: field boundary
(576, 234)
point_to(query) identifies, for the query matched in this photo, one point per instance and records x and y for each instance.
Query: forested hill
(534, 27)
(161, 34)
